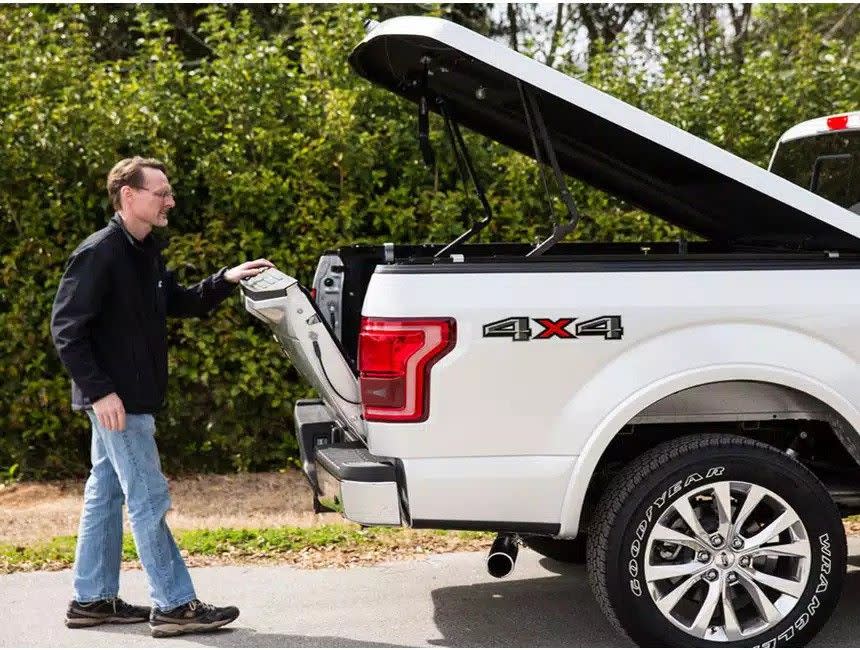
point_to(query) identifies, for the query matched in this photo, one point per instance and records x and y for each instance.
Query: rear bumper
(367, 485)
(345, 475)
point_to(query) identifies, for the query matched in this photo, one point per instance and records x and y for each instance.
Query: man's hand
(247, 269)
(110, 412)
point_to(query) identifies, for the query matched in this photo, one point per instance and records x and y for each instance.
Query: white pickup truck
(683, 416)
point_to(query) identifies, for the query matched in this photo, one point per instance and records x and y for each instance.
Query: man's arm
(201, 298)
(78, 301)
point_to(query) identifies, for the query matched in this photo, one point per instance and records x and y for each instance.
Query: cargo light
(837, 122)
(395, 356)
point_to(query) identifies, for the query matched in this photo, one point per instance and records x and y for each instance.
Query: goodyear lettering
(695, 476)
(656, 506)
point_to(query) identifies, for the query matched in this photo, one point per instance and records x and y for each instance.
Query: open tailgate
(306, 338)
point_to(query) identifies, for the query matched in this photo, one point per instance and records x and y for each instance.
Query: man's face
(153, 200)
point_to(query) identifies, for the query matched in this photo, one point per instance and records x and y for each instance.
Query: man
(109, 328)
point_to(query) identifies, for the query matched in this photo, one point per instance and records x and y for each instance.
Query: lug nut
(717, 540)
(737, 543)
(711, 575)
(704, 556)
(733, 577)
(745, 561)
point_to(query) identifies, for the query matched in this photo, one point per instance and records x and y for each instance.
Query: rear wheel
(717, 541)
(569, 551)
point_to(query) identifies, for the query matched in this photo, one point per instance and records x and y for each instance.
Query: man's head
(139, 189)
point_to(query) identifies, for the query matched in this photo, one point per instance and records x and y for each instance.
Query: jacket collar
(150, 243)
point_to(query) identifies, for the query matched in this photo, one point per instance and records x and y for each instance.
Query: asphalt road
(442, 600)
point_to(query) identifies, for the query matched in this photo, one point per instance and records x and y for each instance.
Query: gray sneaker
(190, 617)
(109, 610)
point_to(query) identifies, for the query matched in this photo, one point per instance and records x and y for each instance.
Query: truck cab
(823, 155)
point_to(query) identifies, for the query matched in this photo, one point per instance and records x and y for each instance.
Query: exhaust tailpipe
(503, 555)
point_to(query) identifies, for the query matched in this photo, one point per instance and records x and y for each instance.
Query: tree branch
(841, 22)
(556, 34)
(512, 21)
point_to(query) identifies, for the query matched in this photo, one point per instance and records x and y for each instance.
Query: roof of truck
(599, 139)
(828, 124)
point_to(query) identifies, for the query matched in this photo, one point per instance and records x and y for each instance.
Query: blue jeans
(125, 466)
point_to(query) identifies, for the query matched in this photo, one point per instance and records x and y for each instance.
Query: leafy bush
(276, 149)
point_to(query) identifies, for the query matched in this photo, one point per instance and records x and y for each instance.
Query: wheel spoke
(786, 519)
(723, 499)
(663, 534)
(784, 585)
(706, 613)
(730, 619)
(655, 572)
(683, 507)
(792, 549)
(768, 565)
(754, 497)
(766, 608)
(667, 603)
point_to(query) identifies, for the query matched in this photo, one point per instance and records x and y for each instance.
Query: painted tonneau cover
(600, 139)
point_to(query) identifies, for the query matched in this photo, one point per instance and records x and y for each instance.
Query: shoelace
(117, 603)
(197, 604)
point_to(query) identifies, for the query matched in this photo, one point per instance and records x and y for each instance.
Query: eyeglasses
(163, 194)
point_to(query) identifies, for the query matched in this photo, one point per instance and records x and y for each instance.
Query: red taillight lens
(314, 295)
(837, 122)
(394, 360)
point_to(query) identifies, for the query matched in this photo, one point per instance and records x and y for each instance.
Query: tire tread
(618, 492)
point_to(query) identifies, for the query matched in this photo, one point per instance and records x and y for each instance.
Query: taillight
(314, 295)
(395, 356)
(837, 122)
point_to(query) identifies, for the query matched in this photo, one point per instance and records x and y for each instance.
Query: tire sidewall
(626, 583)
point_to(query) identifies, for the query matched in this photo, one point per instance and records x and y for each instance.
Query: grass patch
(340, 543)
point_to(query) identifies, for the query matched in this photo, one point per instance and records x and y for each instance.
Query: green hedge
(276, 149)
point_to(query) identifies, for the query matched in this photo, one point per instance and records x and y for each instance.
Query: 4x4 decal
(518, 328)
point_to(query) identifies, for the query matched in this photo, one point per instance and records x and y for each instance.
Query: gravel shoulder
(36, 511)
(32, 514)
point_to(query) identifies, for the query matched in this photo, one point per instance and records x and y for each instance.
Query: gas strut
(559, 230)
(464, 164)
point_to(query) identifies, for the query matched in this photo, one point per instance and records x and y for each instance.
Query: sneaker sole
(92, 622)
(175, 629)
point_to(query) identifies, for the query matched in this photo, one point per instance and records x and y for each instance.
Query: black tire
(568, 551)
(652, 486)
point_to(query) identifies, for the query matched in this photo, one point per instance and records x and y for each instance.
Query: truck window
(827, 164)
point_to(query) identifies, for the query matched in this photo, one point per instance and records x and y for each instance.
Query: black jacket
(109, 321)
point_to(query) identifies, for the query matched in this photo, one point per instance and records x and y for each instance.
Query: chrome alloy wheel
(727, 561)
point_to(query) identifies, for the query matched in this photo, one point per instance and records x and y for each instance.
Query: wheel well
(794, 422)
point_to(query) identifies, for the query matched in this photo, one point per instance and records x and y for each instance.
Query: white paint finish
(370, 503)
(819, 125)
(626, 116)
(510, 488)
(493, 397)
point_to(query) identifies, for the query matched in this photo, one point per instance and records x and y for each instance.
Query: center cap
(725, 559)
